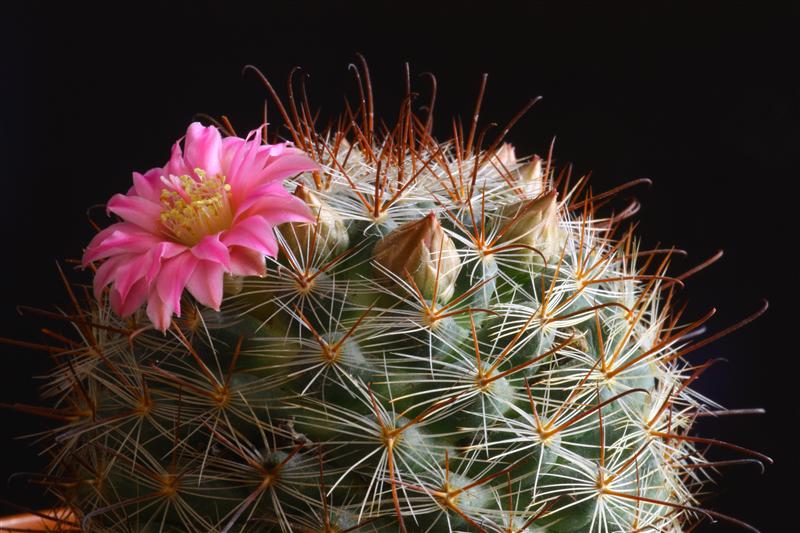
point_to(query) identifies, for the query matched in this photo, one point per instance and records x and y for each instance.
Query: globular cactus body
(459, 342)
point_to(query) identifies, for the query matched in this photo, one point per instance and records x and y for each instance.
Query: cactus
(459, 341)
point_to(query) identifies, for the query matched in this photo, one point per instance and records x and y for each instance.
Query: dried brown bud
(534, 223)
(421, 249)
(327, 235)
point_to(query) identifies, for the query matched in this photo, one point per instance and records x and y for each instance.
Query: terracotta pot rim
(60, 519)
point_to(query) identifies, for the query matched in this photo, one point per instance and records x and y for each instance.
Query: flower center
(194, 208)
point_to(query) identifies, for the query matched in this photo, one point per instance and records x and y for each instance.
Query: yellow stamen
(196, 208)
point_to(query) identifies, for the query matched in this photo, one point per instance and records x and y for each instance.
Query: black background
(702, 99)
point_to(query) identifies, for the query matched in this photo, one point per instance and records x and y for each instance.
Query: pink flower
(210, 210)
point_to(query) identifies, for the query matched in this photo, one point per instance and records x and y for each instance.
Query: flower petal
(137, 210)
(287, 165)
(148, 185)
(106, 274)
(276, 206)
(128, 273)
(205, 284)
(176, 166)
(158, 311)
(240, 163)
(163, 250)
(211, 249)
(119, 238)
(202, 148)
(133, 300)
(173, 277)
(247, 262)
(254, 233)
(249, 164)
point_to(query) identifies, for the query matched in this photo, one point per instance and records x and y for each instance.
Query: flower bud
(507, 156)
(328, 233)
(232, 285)
(344, 146)
(531, 177)
(422, 250)
(534, 223)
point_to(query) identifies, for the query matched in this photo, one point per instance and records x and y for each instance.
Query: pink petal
(145, 266)
(129, 273)
(288, 165)
(230, 148)
(202, 148)
(163, 250)
(251, 164)
(205, 284)
(254, 233)
(172, 279)
(277, 206)
(133, 301)
(211, 249)
(176, 166)
(119, 238)
(106, 274)
(254, 194)
(240, 167)
(158, 311)
(137, 210)
(148, 185)
(246, 262)
(277, 149)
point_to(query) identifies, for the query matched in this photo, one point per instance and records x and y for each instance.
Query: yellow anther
(194, 208)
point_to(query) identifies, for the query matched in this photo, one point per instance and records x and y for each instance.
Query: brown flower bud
(328, 233)
(421, 249)
(533, 223)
